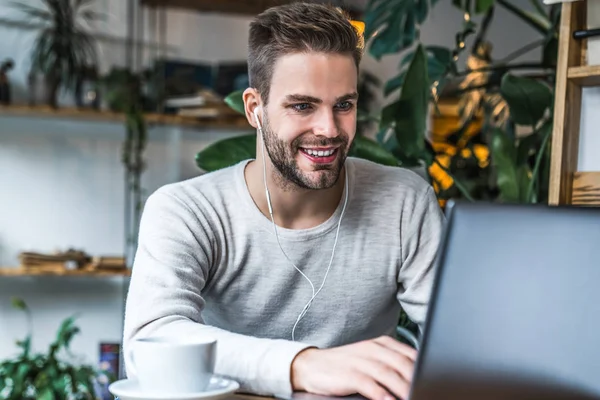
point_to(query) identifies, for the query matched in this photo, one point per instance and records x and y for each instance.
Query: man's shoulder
(210, 185)
(388, 178)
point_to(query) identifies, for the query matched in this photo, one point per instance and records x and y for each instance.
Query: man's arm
(421, 231)
(165, 298)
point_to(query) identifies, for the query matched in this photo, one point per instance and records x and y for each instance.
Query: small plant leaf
(369, 149)
(46, 394)
(527, 98)
(512, 179)
(65, 334)
(227, 152)
(18, 303)
(393, 25)
(25, 345)
(235, 100)
(85, 377)
(408, 114)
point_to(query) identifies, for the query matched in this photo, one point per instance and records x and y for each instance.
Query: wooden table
(240, 396)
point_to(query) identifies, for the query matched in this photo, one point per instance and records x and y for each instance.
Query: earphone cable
(314, 294)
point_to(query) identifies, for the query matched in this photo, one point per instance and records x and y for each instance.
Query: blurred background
(104, 101)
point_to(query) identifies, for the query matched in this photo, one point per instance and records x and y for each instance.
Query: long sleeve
(421, 235)
(165, 298)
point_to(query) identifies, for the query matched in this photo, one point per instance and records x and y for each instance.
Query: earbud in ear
(256, 118)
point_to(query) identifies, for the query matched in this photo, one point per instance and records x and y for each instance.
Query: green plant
(484, 158)
(31, 376)
(63, 47)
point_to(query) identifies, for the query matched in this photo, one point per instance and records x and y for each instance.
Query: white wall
(62, 181)
(589, 139)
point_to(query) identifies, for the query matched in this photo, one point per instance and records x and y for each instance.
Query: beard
(283, 157)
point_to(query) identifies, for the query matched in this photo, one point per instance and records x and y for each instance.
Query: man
(301, 284)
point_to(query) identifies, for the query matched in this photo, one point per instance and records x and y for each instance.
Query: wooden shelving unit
(228, 120)
(15, 272)
(567, 184)
(585, 76)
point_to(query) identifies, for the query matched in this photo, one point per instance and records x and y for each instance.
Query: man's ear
(251, 101)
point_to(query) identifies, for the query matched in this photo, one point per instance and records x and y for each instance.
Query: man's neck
(293, 207)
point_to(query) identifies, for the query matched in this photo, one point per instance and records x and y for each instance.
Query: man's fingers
(388, 377)
(397, 346)
(369, 388)
(402, 364)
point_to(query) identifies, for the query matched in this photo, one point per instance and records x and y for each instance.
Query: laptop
(515, 312)
(515, 309)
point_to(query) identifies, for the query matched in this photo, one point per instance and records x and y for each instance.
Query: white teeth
(319, 153)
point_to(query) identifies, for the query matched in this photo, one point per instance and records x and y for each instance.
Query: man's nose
(326, 124)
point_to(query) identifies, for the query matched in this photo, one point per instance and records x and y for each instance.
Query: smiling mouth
(319, 152)
(320, 156)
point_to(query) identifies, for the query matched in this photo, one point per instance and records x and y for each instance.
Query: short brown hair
(293, 28)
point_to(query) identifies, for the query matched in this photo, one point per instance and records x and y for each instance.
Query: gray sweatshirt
(208, 264)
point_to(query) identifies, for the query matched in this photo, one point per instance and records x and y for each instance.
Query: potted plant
(63, 48)
(30, 376)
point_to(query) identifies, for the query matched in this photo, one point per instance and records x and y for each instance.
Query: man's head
(303, 68)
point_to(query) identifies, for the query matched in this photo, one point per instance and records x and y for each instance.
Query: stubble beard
(283, 159)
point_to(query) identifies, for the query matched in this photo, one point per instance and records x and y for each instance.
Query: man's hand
(377, 369)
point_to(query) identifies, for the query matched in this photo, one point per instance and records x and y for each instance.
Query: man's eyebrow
(302, 98)
(349, 96)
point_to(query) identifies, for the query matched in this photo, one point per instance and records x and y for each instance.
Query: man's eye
(344, 105)
(301, 107)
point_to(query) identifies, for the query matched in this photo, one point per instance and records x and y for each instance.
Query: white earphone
(314, 294)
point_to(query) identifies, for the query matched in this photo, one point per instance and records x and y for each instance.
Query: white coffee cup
(167, 366)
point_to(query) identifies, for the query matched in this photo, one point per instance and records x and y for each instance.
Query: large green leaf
(392, 25)
(235, 100)
(512, 179)
(439, 62)
(227, 152)
(408, 114)
(369, 149)
(527, 99)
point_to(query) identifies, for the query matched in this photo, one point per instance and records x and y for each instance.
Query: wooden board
(567, 106)
(7, 272)
(586, 189)
(228, 120)
(588, 75)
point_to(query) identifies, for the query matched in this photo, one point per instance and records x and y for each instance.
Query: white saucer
(127, 389)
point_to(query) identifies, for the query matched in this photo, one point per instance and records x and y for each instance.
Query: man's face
(310, 119)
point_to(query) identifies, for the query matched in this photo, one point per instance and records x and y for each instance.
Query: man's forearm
(261, 366)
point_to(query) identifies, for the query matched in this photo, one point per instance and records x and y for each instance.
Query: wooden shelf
(227, 121)
(8, 272)
(586, 189)
(585, 76)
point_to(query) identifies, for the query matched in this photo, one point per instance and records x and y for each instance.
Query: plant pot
(43, 89)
